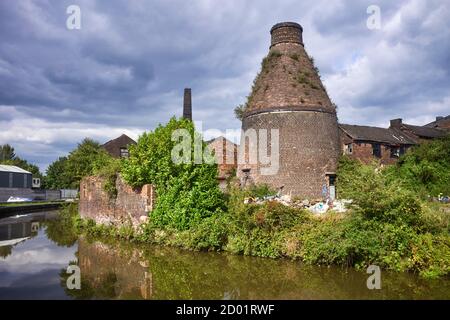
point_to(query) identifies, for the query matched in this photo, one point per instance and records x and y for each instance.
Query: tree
(239, 111)
(6, 152)
(57, 176)
(186, 192)
(85, 160)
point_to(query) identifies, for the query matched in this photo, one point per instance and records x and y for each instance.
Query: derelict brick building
(288, 95)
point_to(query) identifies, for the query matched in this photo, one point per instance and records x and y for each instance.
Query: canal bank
(36, 269)
(9, 209)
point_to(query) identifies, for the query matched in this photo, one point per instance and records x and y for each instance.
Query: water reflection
(123, 271)
(30, 262)
(36, 250)
(16, 229)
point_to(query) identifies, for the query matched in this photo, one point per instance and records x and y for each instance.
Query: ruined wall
(130, 205)
(364, 152)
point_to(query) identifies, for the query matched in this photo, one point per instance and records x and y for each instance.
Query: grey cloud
(127, 67)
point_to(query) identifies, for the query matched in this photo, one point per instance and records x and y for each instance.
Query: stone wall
(129, 207)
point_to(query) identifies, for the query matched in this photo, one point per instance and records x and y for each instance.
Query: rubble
(315, 206)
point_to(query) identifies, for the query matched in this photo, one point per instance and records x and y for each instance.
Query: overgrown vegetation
(391, 223)
(187, 192)
(266, 64)
(88, 158)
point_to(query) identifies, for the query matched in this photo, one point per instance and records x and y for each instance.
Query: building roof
(7, 168)
(113, 146)
(425, 132)
(219, 138)
(437, 121)
(376, 134)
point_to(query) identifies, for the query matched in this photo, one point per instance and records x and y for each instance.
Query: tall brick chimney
(187, 104)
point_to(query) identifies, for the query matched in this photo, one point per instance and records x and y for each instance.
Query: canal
(35, 252)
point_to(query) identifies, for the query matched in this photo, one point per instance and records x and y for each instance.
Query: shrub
(425, 168)
(431, 255)
(186, 192)
(375, 196)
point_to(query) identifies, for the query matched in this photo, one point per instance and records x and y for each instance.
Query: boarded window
(376, 150)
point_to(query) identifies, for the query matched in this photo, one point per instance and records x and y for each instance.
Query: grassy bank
(273, 230)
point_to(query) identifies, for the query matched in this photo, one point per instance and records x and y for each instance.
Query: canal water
(35, 252)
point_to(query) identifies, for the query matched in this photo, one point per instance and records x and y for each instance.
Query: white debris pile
(317, 207)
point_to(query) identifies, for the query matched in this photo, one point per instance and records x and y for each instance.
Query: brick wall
(225, 153)
(129, 207)
(308, 150)
(364, 152)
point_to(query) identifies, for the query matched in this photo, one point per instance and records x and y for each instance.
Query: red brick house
(373, 143)
(118, 147)
(225, 153)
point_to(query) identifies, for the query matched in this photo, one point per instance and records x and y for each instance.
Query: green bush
(431, 255)
(375, 195)
(187, 192)
(425, 168)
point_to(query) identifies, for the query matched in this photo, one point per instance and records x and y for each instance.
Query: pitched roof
(7, 168)
(220, 138)
(436, 122)
(376, 134)
(425, 132)
(113, 146)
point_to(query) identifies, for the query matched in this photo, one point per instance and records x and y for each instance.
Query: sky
(125, 69)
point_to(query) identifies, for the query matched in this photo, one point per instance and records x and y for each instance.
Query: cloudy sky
(124, 71)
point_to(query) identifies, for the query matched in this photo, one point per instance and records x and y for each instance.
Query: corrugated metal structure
(14, 177)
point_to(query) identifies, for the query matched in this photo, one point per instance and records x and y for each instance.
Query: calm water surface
(35, 252)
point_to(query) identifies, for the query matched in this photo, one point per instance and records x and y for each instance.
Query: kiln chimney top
(286, 32)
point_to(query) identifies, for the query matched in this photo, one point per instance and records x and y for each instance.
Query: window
(403, 150)
(36, 183)
(395, 152)
(124, 153)
(376, 150)
(348, 148)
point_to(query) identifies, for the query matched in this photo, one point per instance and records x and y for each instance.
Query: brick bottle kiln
(288, 95)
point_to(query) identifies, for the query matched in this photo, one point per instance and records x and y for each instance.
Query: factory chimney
(187, 104)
